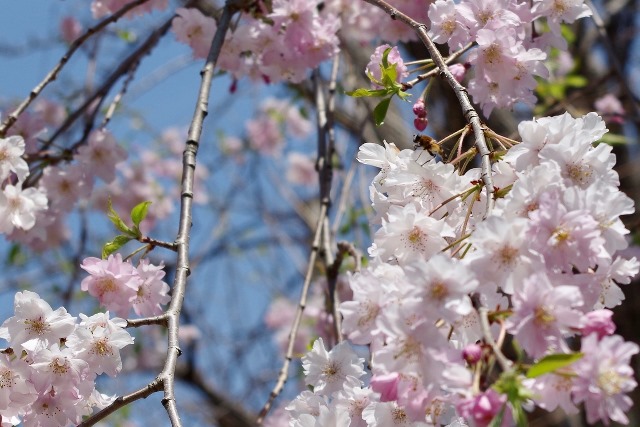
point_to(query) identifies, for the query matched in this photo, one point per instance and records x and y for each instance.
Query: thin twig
(282, 376)
(122, 401)
(106, 86)
(155, 320)
(469, 112)
(116, 99)
(52, 75)
(455, 55)
(488, 337)
(162, 244)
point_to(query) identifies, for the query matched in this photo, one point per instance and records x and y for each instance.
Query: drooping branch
(53, 74)
(326, 121)
(469, 112)
(325, 176)
(186, 205)
(166, 378)
(130, 61)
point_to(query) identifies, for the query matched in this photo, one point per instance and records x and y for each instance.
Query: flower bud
(472, 353)
(420, 123)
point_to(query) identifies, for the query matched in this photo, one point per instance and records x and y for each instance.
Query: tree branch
(53, 74)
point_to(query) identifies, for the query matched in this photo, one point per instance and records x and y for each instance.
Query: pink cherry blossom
(543, 315)
(193, 28)
(386, 385)
(18, 207)
(610, 107)
(598, 322)
(99, 345)
(35, 324)
(447, 25)
(115, 283)
(604, 378)
(152, 290)
(100, 155)
(301, 170)
(11, 151)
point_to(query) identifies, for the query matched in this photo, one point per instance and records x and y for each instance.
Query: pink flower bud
(386, 385)
(598, 321)
(472, 353)
(420, 123)
(419, 109)
(70, 29)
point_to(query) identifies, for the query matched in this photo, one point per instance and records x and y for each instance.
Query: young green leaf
(380, 112)
(552, 363)
(385, 57)
(116, 220)
(139, 212)
(114, 245)
(389, 76)
(362, 92)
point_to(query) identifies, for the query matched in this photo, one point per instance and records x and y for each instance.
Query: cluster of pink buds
(419, 109)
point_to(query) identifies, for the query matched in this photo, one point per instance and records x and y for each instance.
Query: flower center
(36, 326)
(542, 317)
(611, 382)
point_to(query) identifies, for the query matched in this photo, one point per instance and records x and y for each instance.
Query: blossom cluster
(508, 55)
(280, 44)
(49, 370)
(545, 258)
(35, 203)
(119, 286)
(62, 185)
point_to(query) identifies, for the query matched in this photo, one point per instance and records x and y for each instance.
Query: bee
(427, 143)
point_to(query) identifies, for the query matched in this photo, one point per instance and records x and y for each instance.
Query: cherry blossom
(35, 323)
(330, 371)
(115, 283)
(11, 151)
(604, 378)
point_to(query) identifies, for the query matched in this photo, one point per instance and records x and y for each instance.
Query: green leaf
(114, 245)
(139, 212)
(576, 81)
(552, 363)
(385, 57)
(380, 112)
(557, 90)
(613, 139)
(116, 220)
(404, 95)
(389, 76)
(16, 256)
(362, 92)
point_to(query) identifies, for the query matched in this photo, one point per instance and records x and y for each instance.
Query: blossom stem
(455, 55)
